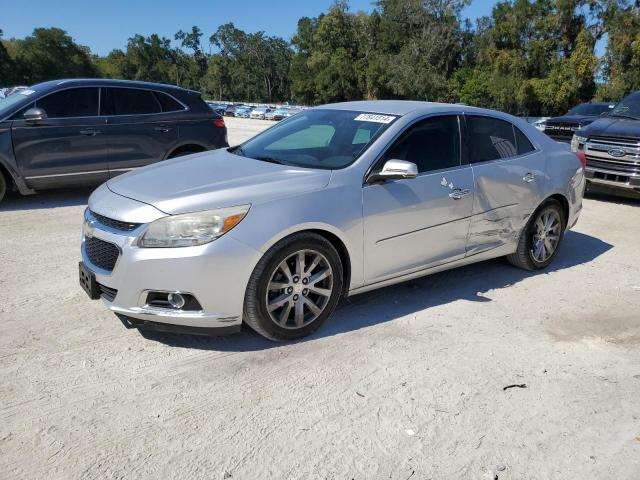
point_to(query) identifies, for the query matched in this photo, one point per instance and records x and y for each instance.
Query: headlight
(577, 143)
(191, 229)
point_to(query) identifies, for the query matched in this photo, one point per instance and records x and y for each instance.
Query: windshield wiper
(238, 151)
(622, 115)
(264, 158)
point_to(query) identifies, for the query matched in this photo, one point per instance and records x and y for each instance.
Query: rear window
(490, 139)
(170, 104)
(129, 101)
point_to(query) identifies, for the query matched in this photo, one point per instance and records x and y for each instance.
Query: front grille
(107, 293)
(616, 166)
(561, 130)
(100, 253)
(616, 141)
(117, 224)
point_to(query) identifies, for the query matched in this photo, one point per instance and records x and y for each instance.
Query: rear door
(140, 127)
(417, 223)
(69, 147)
(509, 176)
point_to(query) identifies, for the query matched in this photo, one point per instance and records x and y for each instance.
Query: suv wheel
(541, 237)
(294, 288)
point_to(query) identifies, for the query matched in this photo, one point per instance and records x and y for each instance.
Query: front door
(417, 223)
(69, 147)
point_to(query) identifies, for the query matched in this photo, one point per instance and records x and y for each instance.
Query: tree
(49, 53)
(7, 66)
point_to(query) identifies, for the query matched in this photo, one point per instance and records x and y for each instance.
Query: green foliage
(47, 54)
(529, 57)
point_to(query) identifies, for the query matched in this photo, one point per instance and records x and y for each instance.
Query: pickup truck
(561, 129)
(611, 147)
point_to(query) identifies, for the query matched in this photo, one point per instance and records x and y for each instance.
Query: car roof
(403, 107)
(108, 82)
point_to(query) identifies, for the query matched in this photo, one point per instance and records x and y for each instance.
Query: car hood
(215, 179)
(613, 127)
(571, 119)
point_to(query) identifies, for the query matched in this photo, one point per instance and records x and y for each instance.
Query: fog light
(176, 300)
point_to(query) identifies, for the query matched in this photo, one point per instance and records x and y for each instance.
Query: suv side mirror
(34, 115)
(394, 170)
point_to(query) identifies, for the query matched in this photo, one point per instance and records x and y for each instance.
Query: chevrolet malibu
(337, 200)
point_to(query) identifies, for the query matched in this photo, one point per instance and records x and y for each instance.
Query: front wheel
(294, 288)
(541, 237)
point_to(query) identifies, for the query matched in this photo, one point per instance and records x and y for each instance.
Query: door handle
(162, 129)
(529, 177)
(459, 193)
(90, 132)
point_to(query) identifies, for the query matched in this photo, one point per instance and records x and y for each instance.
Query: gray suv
(68, 133)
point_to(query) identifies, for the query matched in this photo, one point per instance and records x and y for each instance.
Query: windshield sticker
(26, 92)
(372, 117)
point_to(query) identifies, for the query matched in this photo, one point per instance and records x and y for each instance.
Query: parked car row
(67, 133)
(259, 112)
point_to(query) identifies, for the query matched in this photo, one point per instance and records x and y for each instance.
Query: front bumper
(216, 274)
(608, 179)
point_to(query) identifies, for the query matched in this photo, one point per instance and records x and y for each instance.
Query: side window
(129, 101)
(168, 103)
(490, 139)
(75, 102)
(431, 144)
(523, 143)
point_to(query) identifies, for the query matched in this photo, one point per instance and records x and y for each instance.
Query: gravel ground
(405, 382)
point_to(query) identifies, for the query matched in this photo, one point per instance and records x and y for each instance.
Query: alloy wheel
(299, 289)
(546, 235)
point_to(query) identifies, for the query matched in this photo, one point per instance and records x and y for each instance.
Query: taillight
(219, 122)
(583, 158)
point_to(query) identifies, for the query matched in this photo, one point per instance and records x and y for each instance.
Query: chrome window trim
(99, 115)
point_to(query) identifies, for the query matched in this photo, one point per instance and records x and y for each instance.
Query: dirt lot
(405, 382)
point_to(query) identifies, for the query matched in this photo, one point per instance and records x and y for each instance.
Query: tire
(3, 186)
(271, 283)
(528, 255)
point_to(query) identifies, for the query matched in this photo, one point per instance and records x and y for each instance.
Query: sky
(104, 26)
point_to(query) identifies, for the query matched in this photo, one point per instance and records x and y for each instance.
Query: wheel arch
(564, 203)
(333, 236)
(191, 146)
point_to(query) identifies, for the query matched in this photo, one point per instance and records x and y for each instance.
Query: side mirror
(394, 170)
(34, 115)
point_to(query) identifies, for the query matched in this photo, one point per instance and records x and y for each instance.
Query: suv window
(523, 143)
(168, 103)
(431, 144)
(74, 102)
(129, 101)
(490, 139)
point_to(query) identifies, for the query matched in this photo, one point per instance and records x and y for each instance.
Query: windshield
(628, 106)
(17, 99)
(589, 109)
(327, 139)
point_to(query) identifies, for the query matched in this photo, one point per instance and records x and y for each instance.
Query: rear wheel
(294, 288)
(541, 238)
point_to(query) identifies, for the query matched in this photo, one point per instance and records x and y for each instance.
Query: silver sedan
(334, 201)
